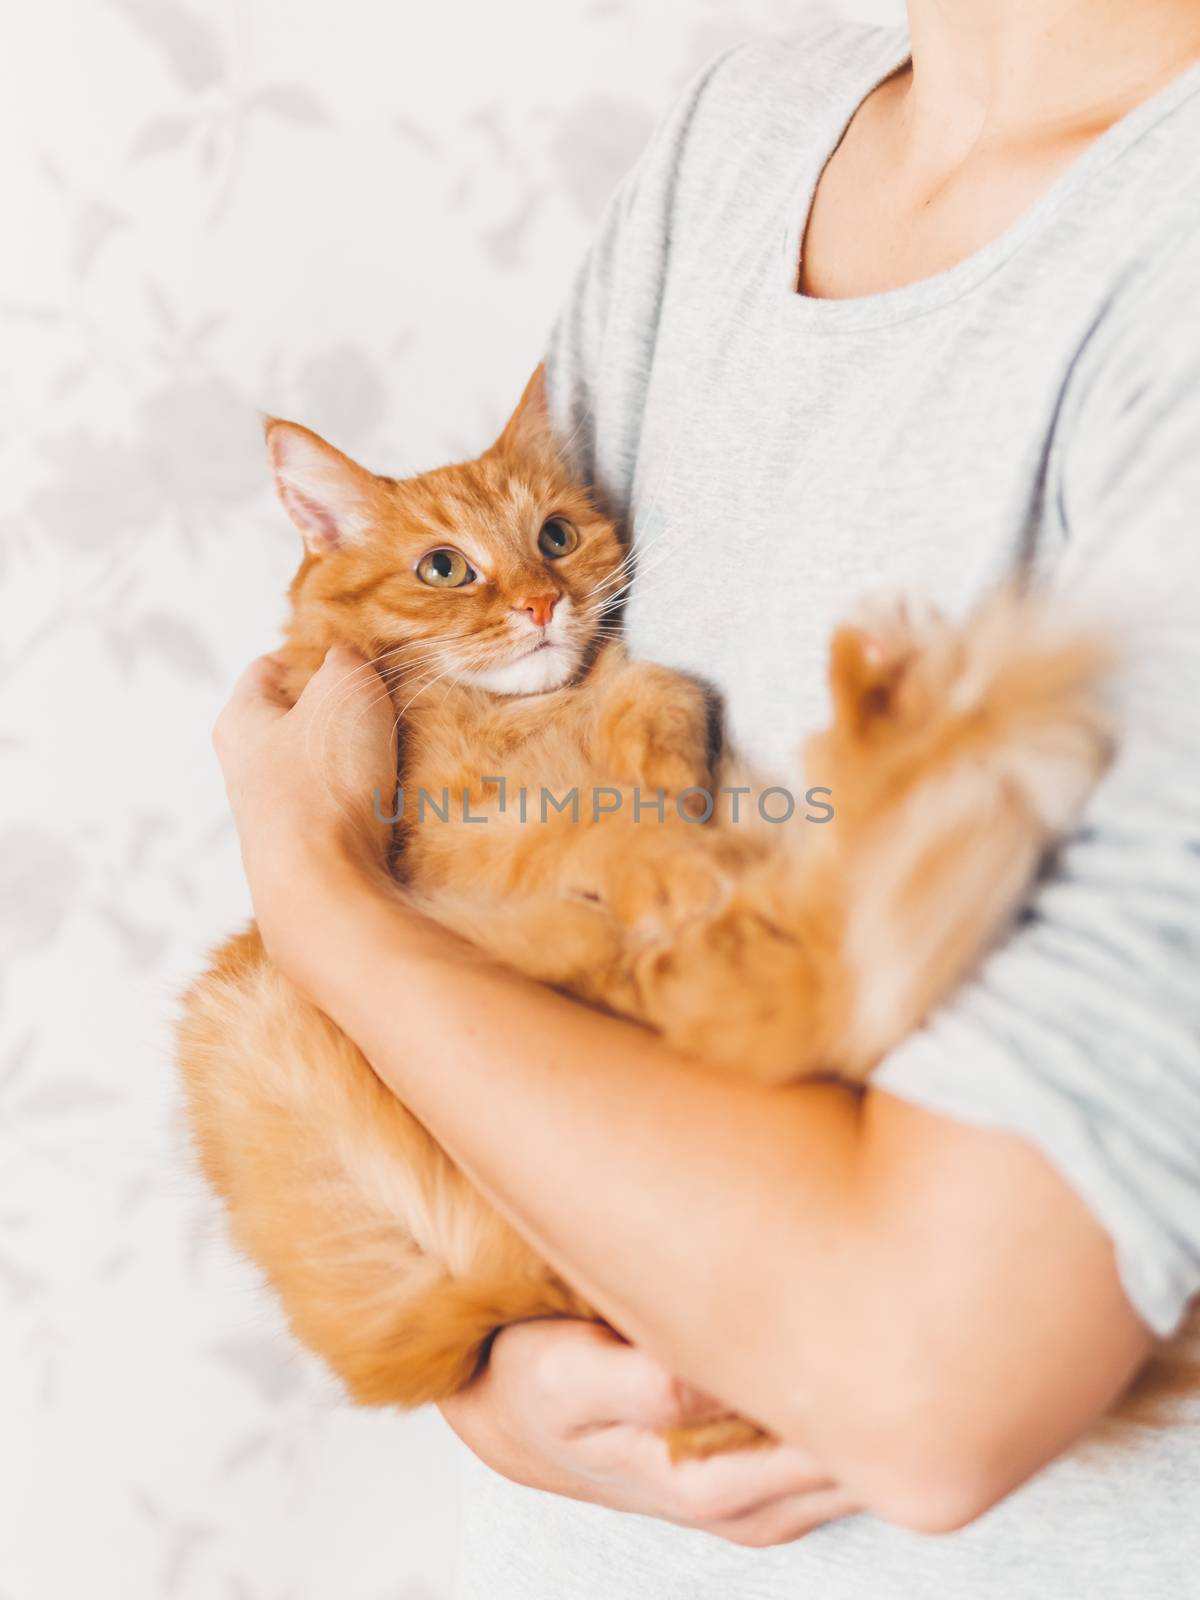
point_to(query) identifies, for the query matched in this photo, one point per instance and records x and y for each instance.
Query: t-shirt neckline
(942, 288)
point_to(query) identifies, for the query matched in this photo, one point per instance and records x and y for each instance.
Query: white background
(360, 215)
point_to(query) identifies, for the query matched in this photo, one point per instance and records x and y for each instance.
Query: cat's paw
(1013, 696)
(655, 733)
(890, 642)
(656, 892)
(696, 1441)
(896, 620)
(679, 773)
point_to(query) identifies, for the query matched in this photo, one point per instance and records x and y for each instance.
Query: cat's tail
(441, 1337)
(959, 765)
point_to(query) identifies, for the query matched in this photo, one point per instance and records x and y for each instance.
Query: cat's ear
(329, 497)
(528, 432)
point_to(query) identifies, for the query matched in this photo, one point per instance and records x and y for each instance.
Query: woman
(875, 307)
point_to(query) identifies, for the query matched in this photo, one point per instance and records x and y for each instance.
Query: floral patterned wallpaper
(361, 216)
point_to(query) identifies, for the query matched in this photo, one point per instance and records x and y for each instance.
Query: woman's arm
(927, 1308)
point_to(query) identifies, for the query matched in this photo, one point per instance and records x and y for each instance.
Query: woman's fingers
(259, 690)
(340, 670)
(602, 1382)
(727, 1488)
(786, 1520)
(257, 696)
(346, 706)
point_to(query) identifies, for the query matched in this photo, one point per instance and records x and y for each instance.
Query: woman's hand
(568, 1408)
(308, 784)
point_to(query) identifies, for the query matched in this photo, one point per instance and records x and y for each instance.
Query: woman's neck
(1000, 98)
(1014, 71)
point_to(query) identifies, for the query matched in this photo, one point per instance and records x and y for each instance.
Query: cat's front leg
(656, 730)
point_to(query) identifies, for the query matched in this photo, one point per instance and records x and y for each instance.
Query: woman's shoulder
(777, 83)
(760, 102)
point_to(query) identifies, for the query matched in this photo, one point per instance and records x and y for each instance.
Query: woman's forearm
(796, 1251)
(628, 1167)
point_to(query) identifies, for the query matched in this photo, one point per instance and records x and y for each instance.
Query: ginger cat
(484, 592)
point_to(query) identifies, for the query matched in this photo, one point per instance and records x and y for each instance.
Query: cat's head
(498, 572)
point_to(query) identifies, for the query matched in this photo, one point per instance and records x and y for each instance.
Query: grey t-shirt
(775, 457)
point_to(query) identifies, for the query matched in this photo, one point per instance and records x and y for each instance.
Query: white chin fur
(532, 674)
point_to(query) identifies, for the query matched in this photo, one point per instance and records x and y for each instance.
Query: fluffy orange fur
(956, 755)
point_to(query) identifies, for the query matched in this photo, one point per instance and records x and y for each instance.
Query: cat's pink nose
(539, 608)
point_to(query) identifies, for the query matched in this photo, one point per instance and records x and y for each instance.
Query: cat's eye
(445, 569)
(557, 538)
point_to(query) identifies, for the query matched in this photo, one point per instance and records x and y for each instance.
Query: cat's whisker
(396, 663)
(349, 685)
(614, 595)
(326, 712)
(622, 567)
(605, 598)
(649, 502)
(652, 570)
(450, 667)
(563, 444)
(637, 567)
(655, 551)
